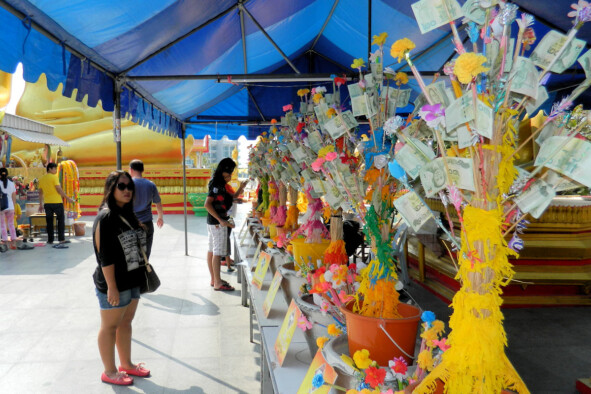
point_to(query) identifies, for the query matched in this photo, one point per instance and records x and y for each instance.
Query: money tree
(473, 126)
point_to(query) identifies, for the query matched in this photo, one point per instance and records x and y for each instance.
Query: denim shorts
(125, 298)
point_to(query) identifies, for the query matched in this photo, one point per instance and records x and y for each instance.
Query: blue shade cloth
(144, 36)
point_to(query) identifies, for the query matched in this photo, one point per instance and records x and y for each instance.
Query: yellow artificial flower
(425, 360)
(331, 112)
(333, 330)
(317, 97)
(438, 326)
(324, 151)
(273, 162)
(400, 47)
(362, 359)
(401, 78)
(358, 63)
(270, 244)
(380, 39)
(303, 92)
(349, 361)
(352, 391)
(429, 336)
(469, 65)
(321, 341)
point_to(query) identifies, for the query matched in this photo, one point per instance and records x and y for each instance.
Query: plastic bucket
(303, 252)
(365, 333)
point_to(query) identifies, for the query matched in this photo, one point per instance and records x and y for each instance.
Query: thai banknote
(473, 11)
(320, 111)
(585, 62)
(459, 112)
(336, 127)
(536, 198)
(437, 93)
(568, 156)
(434, 177)
(358, 105)
(371, 102)
(484, 119)
(332, 196)
(524, 77)
(531, 105)
(349, 120)
(398, 97)
(494, 57)
(377, 72)
(315, 141)
(412, 210)
(560, 183)
(550, 46)
(317, 185)
(414, 155)
(430, 14)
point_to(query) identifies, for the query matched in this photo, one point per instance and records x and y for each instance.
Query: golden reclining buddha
(89, 131)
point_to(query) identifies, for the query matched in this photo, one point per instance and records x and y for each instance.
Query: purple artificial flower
(434, 115)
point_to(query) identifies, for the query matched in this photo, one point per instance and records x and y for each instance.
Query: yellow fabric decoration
(325, 150)
(336, 253)
(476, 361)
(468, 66)
(361, 358)
(291, 220)
(425, 360)
(401, 47)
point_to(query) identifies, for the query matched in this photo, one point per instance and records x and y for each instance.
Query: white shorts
(218, 239)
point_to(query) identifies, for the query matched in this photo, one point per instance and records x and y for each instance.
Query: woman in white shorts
(217, 204)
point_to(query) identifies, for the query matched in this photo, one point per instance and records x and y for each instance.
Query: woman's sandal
(224, 287)
(223, 283)
(122, 379)
(139, 370)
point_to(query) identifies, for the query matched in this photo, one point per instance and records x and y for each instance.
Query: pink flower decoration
(344, 297)
(362, 84)
(442, 344)
(304, 324)
(399, 367)
(287, 107)
(330, 156)
(434, 115)
(317, 164)
(324, 307)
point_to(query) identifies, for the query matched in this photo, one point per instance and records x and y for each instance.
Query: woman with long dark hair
(7, 214)
(217, 204)
(118, 242)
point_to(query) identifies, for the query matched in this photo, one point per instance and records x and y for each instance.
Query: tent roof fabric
(95, 46)
(34, 136)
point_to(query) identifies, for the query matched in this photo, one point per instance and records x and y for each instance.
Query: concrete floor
(195, 340)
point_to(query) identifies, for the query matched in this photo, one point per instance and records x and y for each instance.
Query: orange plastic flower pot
(304, 252)
(365, 333)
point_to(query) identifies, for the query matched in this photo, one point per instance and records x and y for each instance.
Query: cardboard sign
(262, 266)
(286, 332)
(319, 366)
(275, 283)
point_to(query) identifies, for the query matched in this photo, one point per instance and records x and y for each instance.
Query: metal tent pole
(185, 191)
(117, 121)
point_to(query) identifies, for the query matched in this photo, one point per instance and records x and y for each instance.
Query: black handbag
(151, 281)
(3, 201)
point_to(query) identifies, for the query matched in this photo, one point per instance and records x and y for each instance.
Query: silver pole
(185, 191)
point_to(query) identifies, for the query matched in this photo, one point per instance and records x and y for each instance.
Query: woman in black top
(118, 239)
(218, 202)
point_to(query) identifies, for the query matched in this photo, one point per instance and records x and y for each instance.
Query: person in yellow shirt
(50, 200)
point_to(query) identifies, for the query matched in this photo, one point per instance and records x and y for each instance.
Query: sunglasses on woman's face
(122, 186)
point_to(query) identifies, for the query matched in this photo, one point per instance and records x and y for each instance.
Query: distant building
(220, 149)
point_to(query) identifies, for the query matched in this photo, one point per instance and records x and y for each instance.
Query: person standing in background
(50, 200)
(146, 193)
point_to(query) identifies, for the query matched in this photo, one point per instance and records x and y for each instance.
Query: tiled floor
(193, 339)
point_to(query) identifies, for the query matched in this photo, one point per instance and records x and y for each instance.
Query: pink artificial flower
(434, 115)
(441, 344)
(362, 84)
(317, 164)
(330, 156)
(324, 308)
(345, 298)
(287, 107)
(304, 324)
(399, 367)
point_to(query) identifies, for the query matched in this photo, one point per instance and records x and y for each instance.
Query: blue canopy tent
(186, 67)
(198, 63)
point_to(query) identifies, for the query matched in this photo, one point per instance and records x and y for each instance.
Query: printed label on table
(319, 378)
(261, 270)
(268, 303)
(256, 255)
(286, 332)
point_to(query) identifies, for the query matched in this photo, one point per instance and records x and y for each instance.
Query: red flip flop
(121, 380)
(225, 287)
(139, 370)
